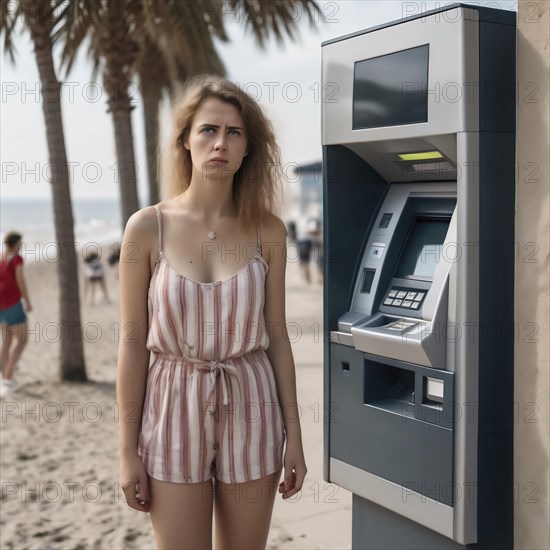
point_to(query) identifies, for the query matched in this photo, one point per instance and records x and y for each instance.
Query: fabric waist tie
(214, 367)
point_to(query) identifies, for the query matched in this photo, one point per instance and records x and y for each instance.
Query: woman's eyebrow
(216, 126)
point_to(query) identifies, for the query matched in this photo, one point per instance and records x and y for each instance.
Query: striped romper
(210, 407)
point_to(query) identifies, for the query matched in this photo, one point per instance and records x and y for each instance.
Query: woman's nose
(221, 142)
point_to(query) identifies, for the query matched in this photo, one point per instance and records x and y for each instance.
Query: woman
(202, 286)
(13, 318)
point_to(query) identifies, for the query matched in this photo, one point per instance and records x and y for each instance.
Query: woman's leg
(7, 339)
(92, 291)
(243, 512)
(181, 514)
(20, 332)
(104, 288)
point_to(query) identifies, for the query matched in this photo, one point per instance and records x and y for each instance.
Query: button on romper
(210, 407)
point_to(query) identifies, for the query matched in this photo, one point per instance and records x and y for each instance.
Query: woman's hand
(132, 473)
(295, 468)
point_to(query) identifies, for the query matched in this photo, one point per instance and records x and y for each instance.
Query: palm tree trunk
(126, 165)
(72, 355)
(119, 52)
(151, 101)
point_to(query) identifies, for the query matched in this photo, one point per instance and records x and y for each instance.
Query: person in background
(315, 231)
(303, 242)
(94, 274)
(114, 257)
(13, 318)
(291, 231)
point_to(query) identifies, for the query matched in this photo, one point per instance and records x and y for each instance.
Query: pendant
(212, 235)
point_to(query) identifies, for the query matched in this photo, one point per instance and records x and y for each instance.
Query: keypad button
(397, 302)
(406, 303)
(388, 301)
(411, 295)
(415, 305)
(420, 295)
(401, 294)
(392, 294)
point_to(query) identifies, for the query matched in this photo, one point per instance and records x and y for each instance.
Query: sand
(59, 441)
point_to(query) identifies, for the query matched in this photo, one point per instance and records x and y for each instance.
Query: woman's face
(217, 132)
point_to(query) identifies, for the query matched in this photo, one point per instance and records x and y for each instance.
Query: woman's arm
(133, 356)
(20, 279)
(280, 356)
(280, 351)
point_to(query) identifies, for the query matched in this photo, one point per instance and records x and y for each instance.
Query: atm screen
(423, 248)
(391, 89)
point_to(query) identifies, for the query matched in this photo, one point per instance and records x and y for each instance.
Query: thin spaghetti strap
(159, 218)
(259, 239)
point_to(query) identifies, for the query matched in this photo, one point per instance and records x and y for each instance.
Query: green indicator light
(426, 155)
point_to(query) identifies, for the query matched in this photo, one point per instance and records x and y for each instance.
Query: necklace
(211, 234)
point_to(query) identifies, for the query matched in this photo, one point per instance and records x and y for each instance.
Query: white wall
(532, 389)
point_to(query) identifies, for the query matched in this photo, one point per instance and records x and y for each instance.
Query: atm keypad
(404, 298)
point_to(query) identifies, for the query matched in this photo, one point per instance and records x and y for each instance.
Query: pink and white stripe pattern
(211, 407)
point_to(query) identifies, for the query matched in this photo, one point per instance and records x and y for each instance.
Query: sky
(286, 80)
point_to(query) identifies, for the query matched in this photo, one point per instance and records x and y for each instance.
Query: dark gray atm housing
(419, 177)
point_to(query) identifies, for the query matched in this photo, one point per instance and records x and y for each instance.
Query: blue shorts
(14, 315)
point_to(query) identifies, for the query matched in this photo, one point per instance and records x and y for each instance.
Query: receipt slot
(418, 156)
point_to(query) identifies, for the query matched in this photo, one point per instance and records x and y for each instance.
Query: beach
(59, 441)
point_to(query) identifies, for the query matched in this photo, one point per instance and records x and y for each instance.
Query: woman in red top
(13, 319)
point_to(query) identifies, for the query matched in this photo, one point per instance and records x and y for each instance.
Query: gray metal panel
(377, 528)
(396, 447)
(491, 15)
(497, 64)
(452, 106)
(467, 349)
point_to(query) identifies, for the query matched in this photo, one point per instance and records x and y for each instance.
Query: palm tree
(108, 22)
(278, 18)
(39, 19)
(154, 79)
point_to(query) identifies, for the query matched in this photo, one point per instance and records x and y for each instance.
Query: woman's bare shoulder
(140, 233)
(142, 221)
(273, 236)
(274, 228)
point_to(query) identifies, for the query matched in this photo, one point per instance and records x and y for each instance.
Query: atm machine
(418, 130)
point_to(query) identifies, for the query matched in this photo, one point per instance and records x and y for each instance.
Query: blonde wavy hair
(257, 187)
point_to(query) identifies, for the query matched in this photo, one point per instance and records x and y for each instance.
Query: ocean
(96, 221)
